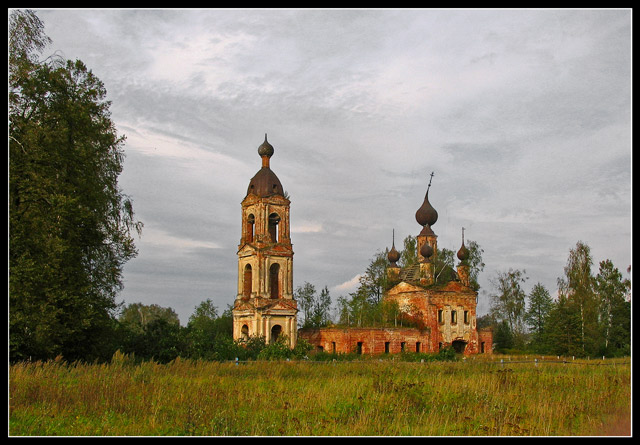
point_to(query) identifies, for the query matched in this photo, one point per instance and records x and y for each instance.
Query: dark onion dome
(426, 251)
(426, 214)
(463, 253)
(265, 182)
(393, 254)
(265, 149)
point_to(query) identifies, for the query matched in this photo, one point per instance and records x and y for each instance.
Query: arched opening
(274, 221)
(275, 333)
(246, 281)
(274, 282)
(459, 345)
(244, 332)
(251, 224)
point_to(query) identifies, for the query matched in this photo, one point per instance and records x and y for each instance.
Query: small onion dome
(426, 250)
(265, 149)
(463, 253)
(393, 255)
(426, 214)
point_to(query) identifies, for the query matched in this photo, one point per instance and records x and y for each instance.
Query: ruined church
(444, 311)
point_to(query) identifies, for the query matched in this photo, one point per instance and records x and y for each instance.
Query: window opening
(246, 290)
(274, 282)
(251, 221)
(274, 221)
(244, 332)
(275, 333)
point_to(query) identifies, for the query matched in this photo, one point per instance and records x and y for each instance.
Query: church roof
(265, 182)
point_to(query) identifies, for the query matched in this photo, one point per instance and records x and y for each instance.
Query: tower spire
(393, 254)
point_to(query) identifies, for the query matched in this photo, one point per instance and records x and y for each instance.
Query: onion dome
(463, 253)
(426, 251)
(265, 182)
(393, 254)
(426, 214)
(265, 149)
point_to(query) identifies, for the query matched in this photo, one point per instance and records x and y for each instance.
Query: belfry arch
(274, 221)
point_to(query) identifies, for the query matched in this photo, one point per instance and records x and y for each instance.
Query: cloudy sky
(523, 115)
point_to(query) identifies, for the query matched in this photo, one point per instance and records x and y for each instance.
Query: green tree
(136, 316)
(476, 265)
(374, 280)
(578, 285)
(208, 335)
(151, 332)
(614, 310)
(305, 295)
(562, 329)
(508, 304)
(321, 313)
(70, 226)
(540, 305)
(444, 266)
(503, 338)
(409, 255)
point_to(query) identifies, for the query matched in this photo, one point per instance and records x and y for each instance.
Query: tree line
(591, 315)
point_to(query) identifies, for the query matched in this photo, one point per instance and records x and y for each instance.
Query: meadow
(472, 397)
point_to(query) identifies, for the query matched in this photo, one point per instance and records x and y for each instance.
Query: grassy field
(474, 397)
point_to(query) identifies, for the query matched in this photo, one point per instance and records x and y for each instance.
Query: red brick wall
(372, 340)
(485, 336)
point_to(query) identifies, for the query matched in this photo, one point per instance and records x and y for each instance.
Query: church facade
(441, 303)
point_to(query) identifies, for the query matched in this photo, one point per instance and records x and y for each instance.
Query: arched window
(244, 332)
(246, 282)
(251, 221)
(274, 282)
(274, 220)
(275, 333)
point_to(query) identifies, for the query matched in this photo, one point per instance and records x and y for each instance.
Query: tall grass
(301, 398)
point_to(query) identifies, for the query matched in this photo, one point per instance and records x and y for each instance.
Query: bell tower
(264, 305)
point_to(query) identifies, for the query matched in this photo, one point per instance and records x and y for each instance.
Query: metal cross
(430, 179)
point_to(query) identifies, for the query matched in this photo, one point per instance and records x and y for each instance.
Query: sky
(524, 116)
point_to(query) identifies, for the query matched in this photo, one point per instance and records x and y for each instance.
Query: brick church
(445, 311)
